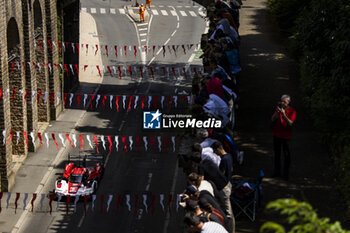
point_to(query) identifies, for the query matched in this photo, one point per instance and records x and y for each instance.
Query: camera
(182, 198)
(279, 104)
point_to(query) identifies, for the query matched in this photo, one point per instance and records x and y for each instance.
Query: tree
(301, 217)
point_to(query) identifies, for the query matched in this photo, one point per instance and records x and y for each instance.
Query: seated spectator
(221, 59)
(196, 225)
(206, 153)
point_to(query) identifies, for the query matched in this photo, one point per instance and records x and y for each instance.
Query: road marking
(142, 40)
(84, 9)
(143, 34)
(172, 192)
(178, 25)
(155, 12)
(192, 13)
(183, 13)
(121, 11)
(173, 13)
(173, 33)
(103, 11)
(179, 6)
(160, 6)
(113, 11)
(142, 24)
(187, 6)
(164, 12)
(93, 10)
(142, 29)
(166, 42)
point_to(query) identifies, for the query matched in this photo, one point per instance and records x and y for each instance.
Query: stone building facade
(22, 24)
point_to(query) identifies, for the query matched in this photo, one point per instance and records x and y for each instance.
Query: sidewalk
(267, 73)
(39, 166)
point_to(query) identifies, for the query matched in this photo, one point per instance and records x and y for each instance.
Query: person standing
(281, 123)
(148, 2)
(142, 13)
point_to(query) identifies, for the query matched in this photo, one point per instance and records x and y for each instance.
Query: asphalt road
(144, 172)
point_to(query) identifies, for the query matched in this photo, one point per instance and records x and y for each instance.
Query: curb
(202, 11)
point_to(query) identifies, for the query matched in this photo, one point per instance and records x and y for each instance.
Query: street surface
(171, 22)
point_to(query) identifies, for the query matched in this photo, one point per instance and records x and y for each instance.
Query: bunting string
(103, 143)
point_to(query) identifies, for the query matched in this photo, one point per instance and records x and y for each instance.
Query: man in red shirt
(281, 123)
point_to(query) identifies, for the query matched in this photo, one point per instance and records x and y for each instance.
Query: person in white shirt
(207, 154)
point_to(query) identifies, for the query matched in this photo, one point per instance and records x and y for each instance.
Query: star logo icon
(156, 115)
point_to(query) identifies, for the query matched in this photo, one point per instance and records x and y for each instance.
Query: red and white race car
(79, 180)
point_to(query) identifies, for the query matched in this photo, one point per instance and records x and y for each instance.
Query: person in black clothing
(226, 159)
(211, 172)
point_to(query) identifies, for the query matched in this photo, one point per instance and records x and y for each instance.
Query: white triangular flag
(136, 99)
(89, 140)
(47, 139)
(103, 142)
(162, 101)
(74, 139)
(161, 200)
(124, 98)
(62, 139)
(145, 142)
(116, 139)
(71, 95)
(128, 201)
(131, 142)
(159, 143)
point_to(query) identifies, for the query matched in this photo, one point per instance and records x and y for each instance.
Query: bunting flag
(144, 196)
(8, 200)
(136, 198)
(152, 203)
(118, 203)
(102, 198)
(85, 201)
(110, 197)
(24, 201)
(50, 202)
(70, 142)
(67, 203)
(127, 197)
(32, 201)
(124, 142)
(162, 142)
(170, 198)
(16, 200)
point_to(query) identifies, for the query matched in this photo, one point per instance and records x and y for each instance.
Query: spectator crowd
(209, 167)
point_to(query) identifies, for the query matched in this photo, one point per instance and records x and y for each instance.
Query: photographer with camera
(281, 124)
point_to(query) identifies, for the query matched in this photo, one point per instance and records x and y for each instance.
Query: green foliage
(301, 218)
(319, 36)
(285, 12)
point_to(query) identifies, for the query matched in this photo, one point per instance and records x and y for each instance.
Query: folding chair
(249, 202)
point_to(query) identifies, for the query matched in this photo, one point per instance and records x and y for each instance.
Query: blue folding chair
(247, 197)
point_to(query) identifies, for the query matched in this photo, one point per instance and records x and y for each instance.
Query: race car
(79, 180)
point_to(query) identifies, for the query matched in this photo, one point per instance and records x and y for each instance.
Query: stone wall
(23, 22)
